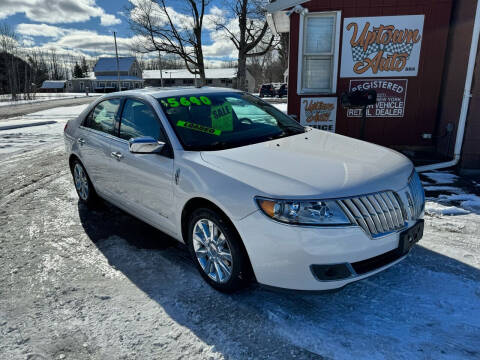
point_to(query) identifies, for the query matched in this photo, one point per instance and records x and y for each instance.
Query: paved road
(24, 109)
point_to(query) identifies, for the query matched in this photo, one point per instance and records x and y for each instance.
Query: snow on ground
(281, 107)
(27, 138)
(5, 100)
(80, 284)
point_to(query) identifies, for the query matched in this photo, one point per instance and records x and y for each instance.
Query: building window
(81, 86)
(209, 81)
(188, 81)
(319, 52)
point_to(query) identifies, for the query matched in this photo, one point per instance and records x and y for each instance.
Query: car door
(94, 138)
(143, 182)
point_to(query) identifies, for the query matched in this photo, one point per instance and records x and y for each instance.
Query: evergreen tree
(77, 71)
(84, 67)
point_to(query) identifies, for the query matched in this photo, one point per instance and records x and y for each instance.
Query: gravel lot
(76, 284)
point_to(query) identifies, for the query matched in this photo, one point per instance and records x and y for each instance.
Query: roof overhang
(278, 18)
(283, 4)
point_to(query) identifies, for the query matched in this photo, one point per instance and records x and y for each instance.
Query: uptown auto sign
(381, 46)
(320, 113)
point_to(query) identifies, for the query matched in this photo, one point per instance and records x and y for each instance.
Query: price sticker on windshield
(186, 101)
(222, 116)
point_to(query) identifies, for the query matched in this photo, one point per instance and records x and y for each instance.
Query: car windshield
(215, 121)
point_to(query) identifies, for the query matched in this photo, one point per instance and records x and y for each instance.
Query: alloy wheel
(81, 181)
(212, 250)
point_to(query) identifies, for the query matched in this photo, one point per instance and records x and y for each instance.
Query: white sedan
(253, 194)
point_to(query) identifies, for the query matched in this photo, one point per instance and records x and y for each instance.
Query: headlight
(304, 212)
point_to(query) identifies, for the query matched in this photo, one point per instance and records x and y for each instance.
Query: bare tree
(252, 31)
(9, 49)
(154, 22)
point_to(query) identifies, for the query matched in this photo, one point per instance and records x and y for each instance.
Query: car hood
(316, 163)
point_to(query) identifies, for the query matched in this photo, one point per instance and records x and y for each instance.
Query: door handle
(81, 141)
(117, 155)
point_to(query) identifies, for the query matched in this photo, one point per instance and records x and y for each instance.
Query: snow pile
(467, 201)
(434, 208)
(441, 177)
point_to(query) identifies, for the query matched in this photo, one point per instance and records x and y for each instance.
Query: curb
(10, 127)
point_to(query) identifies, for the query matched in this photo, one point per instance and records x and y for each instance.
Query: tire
(83, 185)
(214, 251)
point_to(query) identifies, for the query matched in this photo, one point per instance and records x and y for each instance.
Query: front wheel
(216, 250)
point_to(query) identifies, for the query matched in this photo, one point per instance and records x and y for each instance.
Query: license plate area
(410, 237)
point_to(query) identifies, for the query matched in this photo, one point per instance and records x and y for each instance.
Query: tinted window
(225, 120)
(139, 120)
(102, 117)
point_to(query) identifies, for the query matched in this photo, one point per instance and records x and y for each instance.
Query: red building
(414, 53)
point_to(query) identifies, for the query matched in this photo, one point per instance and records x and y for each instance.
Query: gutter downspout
(465, 102)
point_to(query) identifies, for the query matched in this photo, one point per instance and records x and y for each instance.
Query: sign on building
(320, 113)
(381, 46)
(391, 96)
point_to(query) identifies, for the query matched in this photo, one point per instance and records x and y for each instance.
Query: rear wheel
(83, 185)
(216, 250)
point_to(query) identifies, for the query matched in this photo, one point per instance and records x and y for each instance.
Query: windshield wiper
(293, 129)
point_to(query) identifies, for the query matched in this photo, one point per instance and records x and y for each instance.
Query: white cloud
(57, 11)
(40, 30)
(74, 41)
(217, 44)
(108, 20)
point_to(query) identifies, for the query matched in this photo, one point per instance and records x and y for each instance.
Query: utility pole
(118, 63)
(160, 67)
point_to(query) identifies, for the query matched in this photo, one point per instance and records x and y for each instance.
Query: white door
(95, 135)
(143, 182)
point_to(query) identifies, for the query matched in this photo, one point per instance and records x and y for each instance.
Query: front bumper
(285, 256)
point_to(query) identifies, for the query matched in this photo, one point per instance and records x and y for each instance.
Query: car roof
(158, 92)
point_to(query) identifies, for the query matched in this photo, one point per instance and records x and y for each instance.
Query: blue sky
(85, 27)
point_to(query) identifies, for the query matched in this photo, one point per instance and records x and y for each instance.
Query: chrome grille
(415, 196)
(377, 214)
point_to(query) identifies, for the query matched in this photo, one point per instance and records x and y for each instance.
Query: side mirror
(145, 145)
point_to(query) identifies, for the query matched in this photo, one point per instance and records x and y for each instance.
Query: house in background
(182, 77)
(104, 77)
(53, 86)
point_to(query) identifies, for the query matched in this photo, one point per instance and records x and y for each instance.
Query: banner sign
(381, 46)
(391, 96)
(320, 113)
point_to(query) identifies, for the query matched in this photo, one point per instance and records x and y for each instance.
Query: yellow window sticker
(198, 127)
(222, 116)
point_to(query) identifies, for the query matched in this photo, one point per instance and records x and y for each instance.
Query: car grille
(415, 196)
(377, 214)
